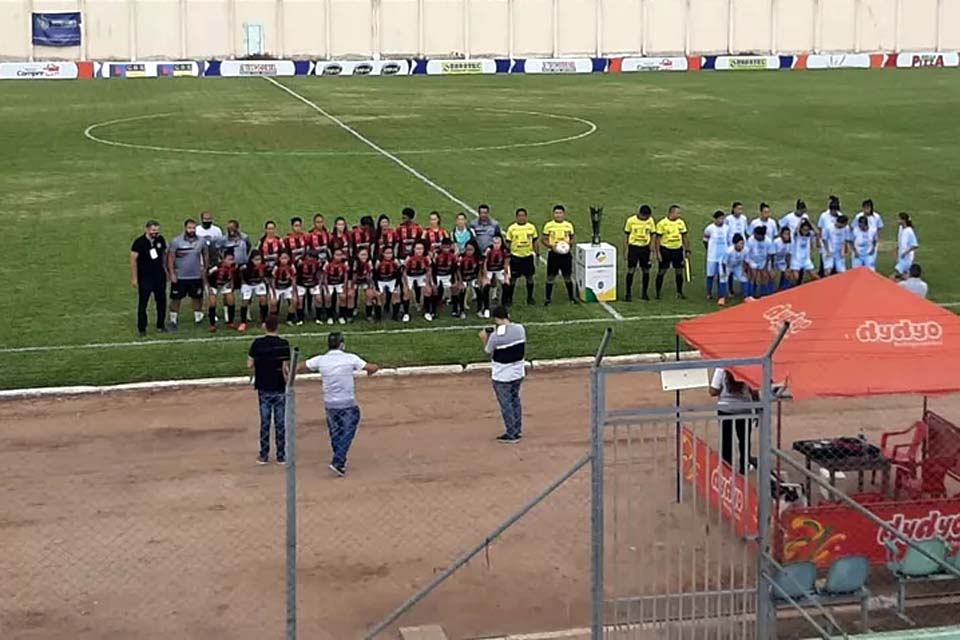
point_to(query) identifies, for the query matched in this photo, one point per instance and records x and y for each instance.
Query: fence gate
(676, 528)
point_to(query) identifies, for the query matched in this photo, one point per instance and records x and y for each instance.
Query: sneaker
(141, 333)
(213, 328)
(340, 471)
(463, 316)
(241, 327)
(262, 460)
(290, 323)
(341, 320)
(329, 320)
(505, 439)
(428, 317)
(406, 317)
(281, 462)
(722, 302)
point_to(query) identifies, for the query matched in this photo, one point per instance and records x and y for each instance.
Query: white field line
(403, 165)
(323, 334)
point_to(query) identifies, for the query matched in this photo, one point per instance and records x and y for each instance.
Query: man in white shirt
(730, 393)
(336, 367)
(210, 233)
(914, 283)
(506, 344)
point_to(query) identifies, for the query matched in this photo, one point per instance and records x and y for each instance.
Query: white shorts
(780, 265)
(806, 265)
(247, 291)
(496, 276)
(737, 273)
(386, 287)
(475, 284)
(713, 269)
(445, 281)
(223, 290)
(836, 263)
(335, 288)
(283, 294)
(869, 261)
(756, 266)
(420, 281)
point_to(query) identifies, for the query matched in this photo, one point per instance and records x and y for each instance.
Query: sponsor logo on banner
(176, 69)
(150, 69)
(331, 69)
(363, 68)
(558, 66)
(904, 333)
(38, 70)
(780, 313)
(571, 65)
(251, 68)
(838, 61)
(715, 480)
(391, 68)
(932, 59)
(654, 64)
(746, 64)
(462, 68)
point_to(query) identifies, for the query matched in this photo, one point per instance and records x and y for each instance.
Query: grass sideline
(699, 139)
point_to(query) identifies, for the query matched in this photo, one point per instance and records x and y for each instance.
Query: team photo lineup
(325, 274)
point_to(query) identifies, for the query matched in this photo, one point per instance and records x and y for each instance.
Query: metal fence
(657, 524)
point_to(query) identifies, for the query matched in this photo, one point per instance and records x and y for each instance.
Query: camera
(488, 330)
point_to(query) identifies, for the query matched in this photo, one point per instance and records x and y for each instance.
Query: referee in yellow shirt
(522, 242)
(559, 230)
(673, 247)
(639, 233)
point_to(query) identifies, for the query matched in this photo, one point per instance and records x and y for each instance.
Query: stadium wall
(373, 29)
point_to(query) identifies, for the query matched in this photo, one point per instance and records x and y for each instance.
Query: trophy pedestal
(595, 272)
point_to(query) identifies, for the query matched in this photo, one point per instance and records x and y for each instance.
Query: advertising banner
(557, 65)
(717, 482)
(823, 534)
(650, 63)
(595, 272)
(362, 68)
(455, 67)
(747, 63)
(151, 69)
(921, 59)
(39, 71)
(56, 29)
(251, 68)
(833, 61)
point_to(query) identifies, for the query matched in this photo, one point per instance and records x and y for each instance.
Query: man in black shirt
(269, 357)
(148, 276)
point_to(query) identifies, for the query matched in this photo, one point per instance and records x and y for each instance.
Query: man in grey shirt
(484, 228)
(186, 272)
(506, 343)
(914, 283)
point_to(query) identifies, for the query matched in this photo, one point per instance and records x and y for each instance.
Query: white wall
(132, 29)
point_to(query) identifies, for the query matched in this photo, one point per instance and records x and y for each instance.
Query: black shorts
(638, 256)
(524, 267)
(183, 288)
(559, 263)
(671, 258)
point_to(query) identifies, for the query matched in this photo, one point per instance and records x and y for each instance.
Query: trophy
(596, 215)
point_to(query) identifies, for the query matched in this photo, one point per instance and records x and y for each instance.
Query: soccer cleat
(722, 302)
(428, 317)
(318, 321)
(341, 321)
(172, 327)
(213, 328)
(241, 327)
(262, 460)
(141, 333)
(406, 317)
(290, 323)
(486, 313)
(340, 471)
(329, 320)
(299, 323)
(463, 316)
(505, 439)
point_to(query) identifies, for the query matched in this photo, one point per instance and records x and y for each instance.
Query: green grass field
(70, 207)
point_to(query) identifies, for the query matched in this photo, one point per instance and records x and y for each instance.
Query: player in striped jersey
(308, 287)
(362, 236)
(445, 277)
(469, 271)
(386, 275)
(408, 233)
(254, 278)
(361, 285)
(285, 286)
(417, 285)
(270, 244)
(296, 241)
(385, 237)
(495, 274)
(223, 281)
(434, 234)
(340, 238)
(335, 275)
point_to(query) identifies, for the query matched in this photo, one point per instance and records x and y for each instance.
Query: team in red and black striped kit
(223, 280)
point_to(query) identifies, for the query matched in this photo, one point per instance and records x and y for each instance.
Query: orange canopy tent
(854, 334)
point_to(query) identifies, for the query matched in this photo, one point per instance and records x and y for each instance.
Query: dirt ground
(143, 515)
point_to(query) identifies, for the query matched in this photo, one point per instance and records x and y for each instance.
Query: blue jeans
(342, 424)
(275, 403)
(508, 395)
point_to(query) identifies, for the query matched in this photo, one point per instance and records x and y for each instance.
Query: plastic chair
(847, 578)
(928, 479)
(905, 454)
(795, 580)
(914, 566)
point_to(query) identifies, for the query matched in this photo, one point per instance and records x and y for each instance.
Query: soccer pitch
(244, 148)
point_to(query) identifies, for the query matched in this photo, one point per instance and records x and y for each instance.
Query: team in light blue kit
(765, 255)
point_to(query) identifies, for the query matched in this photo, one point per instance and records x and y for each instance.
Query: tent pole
(679, 447)
(925, 407)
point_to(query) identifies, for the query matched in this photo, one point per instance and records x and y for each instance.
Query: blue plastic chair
(796, 581)
(847, 578)
(915, 566)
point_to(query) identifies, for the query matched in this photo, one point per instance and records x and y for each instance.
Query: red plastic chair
(906, 455)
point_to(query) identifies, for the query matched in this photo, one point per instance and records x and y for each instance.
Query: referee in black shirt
(147, 274)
